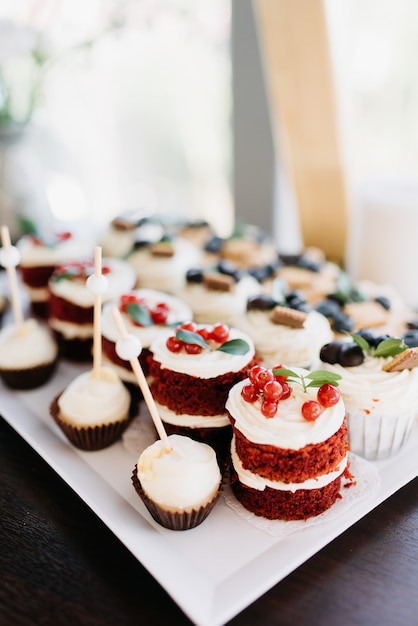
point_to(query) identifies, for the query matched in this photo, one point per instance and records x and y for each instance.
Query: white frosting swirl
(26, 345)
(89, 399)
(183, 478)
(120, 278)
(288, 428)
(178, 312)
(192, 421)
(255, 481)
(277, 343)
(210, 305)
(367, 388)
(164, 273)
(206, 364)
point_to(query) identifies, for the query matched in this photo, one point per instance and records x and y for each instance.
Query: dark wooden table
(59, 564)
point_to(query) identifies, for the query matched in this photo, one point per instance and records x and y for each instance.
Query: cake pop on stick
(10, 258)
(128, 347)
(97, 284)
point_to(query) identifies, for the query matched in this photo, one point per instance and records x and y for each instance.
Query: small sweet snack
(379, 386)
(218, 293)
(40, 255)
(147, 313)
(285, 329)
(127, 229)
(70, 309)
(247, 248)
(191, 372)
(179, 485)
(94, 410)
(28, 352)
(289, 448)
(162, 264)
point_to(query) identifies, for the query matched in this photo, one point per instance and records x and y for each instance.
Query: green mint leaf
(139, 314)
(234, 346)
(360, 341)
(65, 275)
(390, 347)
(27, 226)
(190, 337)
(322, 377)
(282, 371)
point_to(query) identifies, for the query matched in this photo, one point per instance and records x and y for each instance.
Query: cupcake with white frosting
(94, 410)
(28, 354)
(379, 385)
(179, 486)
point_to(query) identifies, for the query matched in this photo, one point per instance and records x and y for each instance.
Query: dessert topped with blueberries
(284, 327)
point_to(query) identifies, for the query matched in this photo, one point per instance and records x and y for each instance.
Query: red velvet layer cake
(191, 373)
(146, 314)
(71, 304)
(40, 256)
(290, 444)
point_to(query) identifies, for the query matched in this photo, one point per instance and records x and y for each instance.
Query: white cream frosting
(164, 273)
(288, 428)
(185, 477)
(192, 421)
(258, 482)
(89, 399)
(121, 278)
(70, 330)
(367, 389)
(277, 343)
(34, 254)
(179, 312)
(206, 364)
(210, 305)
(26, 345)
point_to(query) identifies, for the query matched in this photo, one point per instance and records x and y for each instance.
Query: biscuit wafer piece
(162, 248)
(218, 281)
(288, 317)
(404, 361)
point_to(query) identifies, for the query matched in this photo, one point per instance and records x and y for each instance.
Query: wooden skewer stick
(97, 284)
(140, 376)
(10, 265)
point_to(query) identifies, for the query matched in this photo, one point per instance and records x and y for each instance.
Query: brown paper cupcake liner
(174, 521)
(91, 438)
(28, 378)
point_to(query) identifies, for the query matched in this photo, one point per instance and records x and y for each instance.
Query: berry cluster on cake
(290, 444)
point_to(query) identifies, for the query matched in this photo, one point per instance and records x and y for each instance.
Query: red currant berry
(278, 377)
(269, 408)
(287, 390)
(253, 371)
(311, 410)
(328, 395)
(192, 348)
(272, 390)
(219, 333)
(174, 344)
(263, 377)
(249, 393)
(204, 333)
(189, 326)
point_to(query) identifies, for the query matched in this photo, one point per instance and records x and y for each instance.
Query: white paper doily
(366, 480)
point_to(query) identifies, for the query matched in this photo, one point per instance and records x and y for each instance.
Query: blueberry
(194, 275)
(261, 302)
(290, 259)
(413, 324)
(308, 264)
(341, 322)
(411, 338)
(384, 301)
(381, 338)
(296, 300)
(368, 335)
(229, 269)
(329, 308)
(214, 244)
(329, 353)
(262, 273)
(350, 355)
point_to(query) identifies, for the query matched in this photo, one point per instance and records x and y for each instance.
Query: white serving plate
(215, 570)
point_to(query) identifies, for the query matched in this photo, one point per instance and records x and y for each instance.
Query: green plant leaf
(390, 347)
(360, 341)
(234, 346)
(189, 336)
(139, 314)
(65, 275)
(282, 371)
